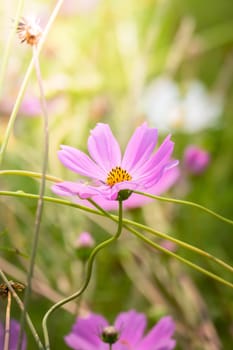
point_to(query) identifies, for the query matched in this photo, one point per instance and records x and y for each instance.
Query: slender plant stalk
(183, 244)
(7, 323)
(163, 199)
(164, 250)
(40, 203)
(191, 204)
(21, 306)
(6, 54)
(178, 257)
(162, 235)
(25, 82)
(87, 279)
(114, 218)
(30, 174)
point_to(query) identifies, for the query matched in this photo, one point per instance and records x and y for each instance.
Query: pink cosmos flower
(87, 333)
(135, 200)
(14, 335)
(196, 160)
(30, 106)
(139, 169)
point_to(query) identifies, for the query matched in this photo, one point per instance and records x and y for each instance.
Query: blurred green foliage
(96, 65)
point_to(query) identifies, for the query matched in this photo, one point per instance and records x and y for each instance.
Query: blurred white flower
(170, 108)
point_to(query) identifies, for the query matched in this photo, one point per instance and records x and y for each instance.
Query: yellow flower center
(117, 175)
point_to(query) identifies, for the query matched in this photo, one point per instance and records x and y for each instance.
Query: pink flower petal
(159, 338)
(80, 163)
(152, 177)
(135, 200)
(131, 326)
(104, 148)
(84, 191)
(161, 156)
(86, 332)
(139, 148)
(145, 168)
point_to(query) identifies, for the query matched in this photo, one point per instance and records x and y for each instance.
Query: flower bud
(84, 245)
(110, 335)
(123, 195)
(196, 160)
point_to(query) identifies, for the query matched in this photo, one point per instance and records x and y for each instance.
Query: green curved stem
(21, 306)
(22, 194)
(114, 218)
(181, 244)
(163, 199)
(191, 204)
(25, 82)
(86, 281)
(176, 256)
(32, 174)
(183, 260)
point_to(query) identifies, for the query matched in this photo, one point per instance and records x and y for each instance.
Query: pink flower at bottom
(14, 336)
(131, 325)
(139, 169)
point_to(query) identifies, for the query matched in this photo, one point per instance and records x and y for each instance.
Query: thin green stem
(164, 250)
(162, 235)
(125, 221)
(25, 82)
(21, 306)
(22, 194)
(163, 199)
(30, 174)
(186, 245)
(178, 257)
(40, 203)
(90, 263)
(6, 54)
(191, 204)
(181, 244)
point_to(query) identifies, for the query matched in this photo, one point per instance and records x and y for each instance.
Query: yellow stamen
(117, 175)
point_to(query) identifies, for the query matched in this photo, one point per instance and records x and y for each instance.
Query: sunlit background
(123, 62)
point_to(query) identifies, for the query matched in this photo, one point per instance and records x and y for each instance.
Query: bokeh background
(123, 62)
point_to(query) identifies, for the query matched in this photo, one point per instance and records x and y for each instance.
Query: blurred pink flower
(87, 333)
(196, 160)
(83, 245)
(14, 335)
(139, 169)
(169, 245)
(84, 240)
(30, 106)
